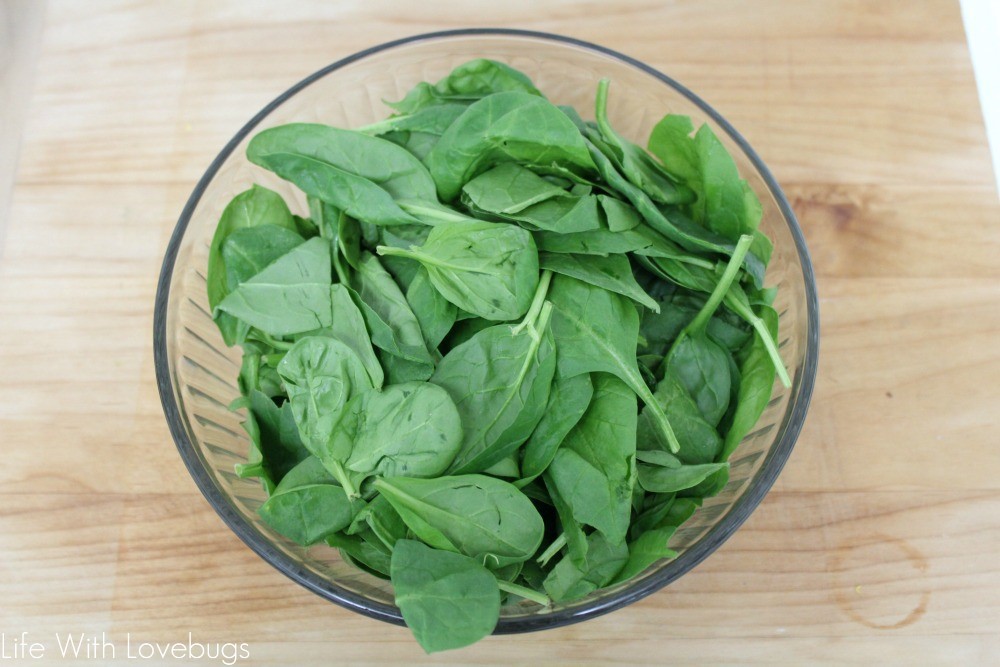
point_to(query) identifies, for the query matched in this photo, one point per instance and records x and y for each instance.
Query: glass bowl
(196, 373)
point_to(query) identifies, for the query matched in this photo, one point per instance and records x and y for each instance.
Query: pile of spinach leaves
(505, 353)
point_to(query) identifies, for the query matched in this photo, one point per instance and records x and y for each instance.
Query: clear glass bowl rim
(737, 514)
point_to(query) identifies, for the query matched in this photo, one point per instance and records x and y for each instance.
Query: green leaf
(359, 174)
(274, 437)
(306, 472)
(567, 581)
(699, 441)
(509, 189)
(756, 383)
(568, 400)
(489, 269)
(308, 514)
(410, 429)
(597, 330)
(393, 326)
(469, 81)
(500, 381)
(247, 251)
(648, 549)
(348, 326)
(594, 469)
(290, 296)
(321, 375)
(446, 599)
(505, 127)
(482, 517)
(613, 273)
(659, 479)
(251, 208)
(726, 203)
(435, 314)
(640, 169)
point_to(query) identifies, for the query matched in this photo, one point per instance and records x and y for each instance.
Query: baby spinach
(482, 517)
(500, 380)
(507, 353)
(508, 126)
(447, 600)
(321, 374)
(308, 514)
(290, 296)
(359, 174)
(410, 429)
(568, 400)
(594, 468)
(568, 581)
(661, 479)
(613, 273)
(488, 269)
(255, 207)
(597, 330)
(467, 82)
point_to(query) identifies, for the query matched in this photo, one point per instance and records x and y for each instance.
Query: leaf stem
(524, 592)
(432, 214)
(744, 310)
(536, 302)
(700, 320)
(382, 126)
(552, 549)
(337, 469)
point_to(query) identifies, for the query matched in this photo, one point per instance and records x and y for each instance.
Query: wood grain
(878, 542)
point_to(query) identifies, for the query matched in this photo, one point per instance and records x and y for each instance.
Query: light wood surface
(879, 541)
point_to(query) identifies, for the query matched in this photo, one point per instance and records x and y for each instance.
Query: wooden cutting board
(877, 545)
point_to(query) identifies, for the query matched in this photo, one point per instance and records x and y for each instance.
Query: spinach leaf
(699, 441)
(321, 375)
(275, 445)
(505, 127)
(481, 517)
(469, 81)
(308, 514)
(637, 166)
(659, 479)
(726, 203)
(348, 326)
(700, 364)
(431, 120)
(306, 472)
(247, 251)
(572, 535)
(675, 227)
(435, 314)
(382, 520)
(393, 326)
(255, 207)
(757, 373)
(488, 269)
(568, 400)
(500, 380)
(508, 189)
(363, 550)
(410, 429)
(613, 273)
(597, 330)
(505, 467)
(567, 581)
(290, 296)
(594, 469)
(359, 174)
(447, 600)
(647, 549)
